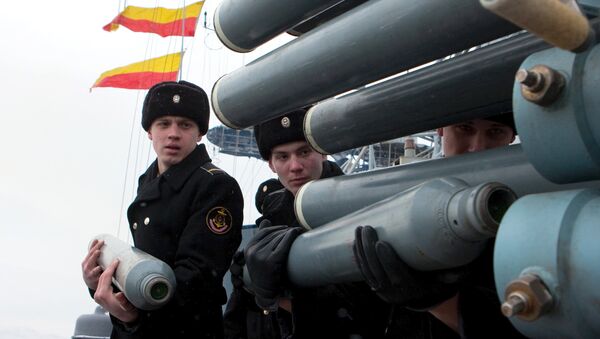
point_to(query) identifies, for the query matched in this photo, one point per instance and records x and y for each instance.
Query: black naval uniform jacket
(332, 311)
(479, 313)
(478, 303)
(190, 217)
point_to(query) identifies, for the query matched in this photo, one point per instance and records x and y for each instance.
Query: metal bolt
(540, 84)
(532, 79)
(526, 297)
(515, 304)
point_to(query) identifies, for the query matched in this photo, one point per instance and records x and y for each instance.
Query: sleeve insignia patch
(218, 220)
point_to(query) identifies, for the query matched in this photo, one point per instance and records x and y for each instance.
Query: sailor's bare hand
(114, 302)
(89, 267)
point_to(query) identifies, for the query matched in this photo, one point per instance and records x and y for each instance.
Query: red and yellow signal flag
(142, 75)
(159, 20)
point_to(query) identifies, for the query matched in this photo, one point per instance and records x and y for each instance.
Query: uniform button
(134, 225)
(146, 221)
(143, 204)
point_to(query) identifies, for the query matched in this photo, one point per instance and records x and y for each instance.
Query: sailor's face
(296, 163)
(473, 136)
(173, 139)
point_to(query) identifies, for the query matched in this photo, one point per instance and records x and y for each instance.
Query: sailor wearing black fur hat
(182, 99)
(279, 131)
(478, 134)
(335, 311)
(188, 213)
(282, 143)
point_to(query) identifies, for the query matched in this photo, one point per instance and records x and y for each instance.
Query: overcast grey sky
(65, 150)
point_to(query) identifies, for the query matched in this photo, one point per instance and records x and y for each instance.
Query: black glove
(266, 259)
(393, 280)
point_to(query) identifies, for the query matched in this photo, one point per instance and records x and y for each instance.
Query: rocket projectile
(147, 282)
(439, 224)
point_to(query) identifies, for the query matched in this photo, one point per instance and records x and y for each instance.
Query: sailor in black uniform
(277, 309)
(188, 213)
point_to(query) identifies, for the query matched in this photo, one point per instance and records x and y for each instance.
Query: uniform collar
(282, 198)
(330, 169)
(178, 174)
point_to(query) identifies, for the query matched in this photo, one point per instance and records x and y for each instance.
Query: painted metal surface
(562, 140)
(93, 326)
(591, 7)
(147, 282)
(554, 236)
(442, 223)
(321, 18)
(379, 38)
(243, 25)
(473, 85)
(319, 202)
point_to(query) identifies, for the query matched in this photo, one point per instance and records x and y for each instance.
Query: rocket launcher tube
(374, 40)
(321, 201)
(442, 223)
(147, 282)
(393, 108)
(244, 25)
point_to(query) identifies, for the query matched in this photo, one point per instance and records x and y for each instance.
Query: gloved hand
(266, 259)
(393, 280)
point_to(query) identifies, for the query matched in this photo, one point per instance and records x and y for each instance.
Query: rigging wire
(189, 67)
(131, 148)
(243, 174)
(127, 167)
(147, 52)
(205, 22)
(209, 32)
(134, 165)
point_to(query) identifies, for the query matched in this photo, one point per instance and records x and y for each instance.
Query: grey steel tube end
(308, 132)
(223, 37)
(475, 212)
(214, 99)
(490, 4)
(157, 290)
(492, 201)
(298, 206)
